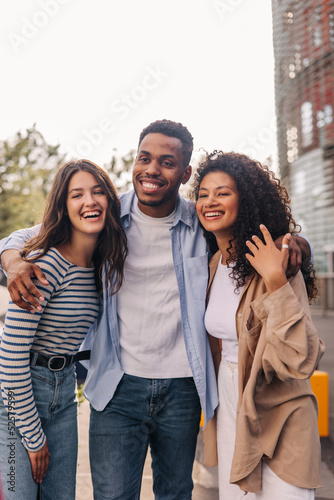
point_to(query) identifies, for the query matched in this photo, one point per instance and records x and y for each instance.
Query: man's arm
(17, 239)
(300, 251)
(22, 290)
(19, 272)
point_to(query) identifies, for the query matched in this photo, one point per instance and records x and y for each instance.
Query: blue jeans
(162, 413)
(54, 394)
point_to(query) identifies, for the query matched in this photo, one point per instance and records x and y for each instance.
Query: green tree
(27, 167)
(120, 170)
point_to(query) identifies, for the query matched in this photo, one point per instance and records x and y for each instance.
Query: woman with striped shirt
(80, 236)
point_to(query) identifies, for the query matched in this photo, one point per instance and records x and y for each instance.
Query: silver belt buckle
(63, 358)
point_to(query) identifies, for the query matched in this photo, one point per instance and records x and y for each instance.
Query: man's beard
(151, 203)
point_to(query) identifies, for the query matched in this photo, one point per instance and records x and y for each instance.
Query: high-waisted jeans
(55, 398)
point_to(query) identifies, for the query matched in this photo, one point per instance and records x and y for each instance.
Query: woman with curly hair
(80, 237)
(261, 334)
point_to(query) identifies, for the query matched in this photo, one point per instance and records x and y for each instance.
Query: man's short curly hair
(262, 200)
(171, 129)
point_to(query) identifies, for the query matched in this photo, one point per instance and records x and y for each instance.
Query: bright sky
(91, 75)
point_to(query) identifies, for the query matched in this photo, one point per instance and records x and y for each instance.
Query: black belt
(57, 362)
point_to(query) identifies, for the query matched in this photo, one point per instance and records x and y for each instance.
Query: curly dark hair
(171, 129)
(56, 226)
(262, 200)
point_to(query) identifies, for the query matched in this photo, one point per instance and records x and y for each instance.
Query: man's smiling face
(158, 172)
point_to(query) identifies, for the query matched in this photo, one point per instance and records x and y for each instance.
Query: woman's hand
(39, 461)
(268, 261)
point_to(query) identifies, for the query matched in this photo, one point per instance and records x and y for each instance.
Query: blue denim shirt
(190, 257)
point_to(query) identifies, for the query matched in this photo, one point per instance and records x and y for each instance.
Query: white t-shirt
(221, 311)
(149, 312)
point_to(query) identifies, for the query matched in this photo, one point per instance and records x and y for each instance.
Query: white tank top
(221, 311)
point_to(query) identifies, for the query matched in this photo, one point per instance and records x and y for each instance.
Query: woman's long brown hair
(262, 200)
(111, 248)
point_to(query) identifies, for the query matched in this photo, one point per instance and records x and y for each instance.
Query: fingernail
(38, 308)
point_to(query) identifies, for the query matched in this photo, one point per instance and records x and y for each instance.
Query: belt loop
(33, 359)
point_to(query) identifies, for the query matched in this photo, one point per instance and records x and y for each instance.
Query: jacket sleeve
(292, 347)
(17, 239)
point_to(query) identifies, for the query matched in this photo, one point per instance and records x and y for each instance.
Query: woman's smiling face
(87, 204)
(218, 203)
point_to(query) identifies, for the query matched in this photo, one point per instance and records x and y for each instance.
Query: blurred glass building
(303, 36)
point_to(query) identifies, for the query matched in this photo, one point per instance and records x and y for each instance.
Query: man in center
(162, 370)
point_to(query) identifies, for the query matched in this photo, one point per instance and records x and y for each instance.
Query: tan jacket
(279, 348)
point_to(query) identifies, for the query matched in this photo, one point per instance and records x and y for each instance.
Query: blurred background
(81, 79)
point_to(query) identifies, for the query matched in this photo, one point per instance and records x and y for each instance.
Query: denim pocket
(187, 387)
(190, 382)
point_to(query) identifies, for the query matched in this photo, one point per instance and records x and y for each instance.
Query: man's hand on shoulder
(22, 290)
(299, 251)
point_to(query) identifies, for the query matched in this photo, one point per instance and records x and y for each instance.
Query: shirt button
(239, 315)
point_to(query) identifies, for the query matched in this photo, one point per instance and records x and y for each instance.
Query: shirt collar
(185, 212)
(185, 209)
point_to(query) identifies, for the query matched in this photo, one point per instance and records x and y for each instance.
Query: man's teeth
(89, 215)
(150, 186)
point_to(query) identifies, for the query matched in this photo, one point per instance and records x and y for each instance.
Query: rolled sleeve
(293, 347)
(17, 240)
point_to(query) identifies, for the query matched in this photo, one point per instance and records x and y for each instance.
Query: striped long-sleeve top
(71, 305)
